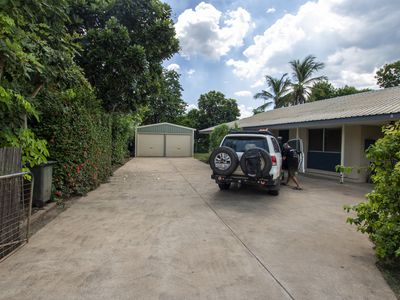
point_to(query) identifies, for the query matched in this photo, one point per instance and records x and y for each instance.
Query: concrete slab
(161, 229)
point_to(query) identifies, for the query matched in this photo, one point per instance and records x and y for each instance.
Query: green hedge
(122, 134)
(78, 133)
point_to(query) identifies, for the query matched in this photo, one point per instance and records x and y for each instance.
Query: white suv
(248, 158)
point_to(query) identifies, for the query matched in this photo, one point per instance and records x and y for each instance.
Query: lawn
(202, 157)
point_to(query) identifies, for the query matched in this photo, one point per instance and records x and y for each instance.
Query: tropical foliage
(76, 77)
(287, 91)
(217, 135)
(213, 109)
(379, 217)
(123, 45)
(167, 104)
(79, 139)
(389, 75)
(303, 79)
(303, 86)
(278, 94)
(36, 53)
(324, 90)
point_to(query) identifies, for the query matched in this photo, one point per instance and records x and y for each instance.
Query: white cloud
(174, 67)
(258, 83)
(243, 94)
(353, 38)
(190, 107)
(200, 33)
(245, 111)
(271, 10)
(190, 72)
(349, 64)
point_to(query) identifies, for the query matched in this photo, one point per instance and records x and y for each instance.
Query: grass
(202, 157)
(391, 273)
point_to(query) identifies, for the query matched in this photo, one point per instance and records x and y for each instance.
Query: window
(315, 139)
(277, 149)
(243, 143)
(325, 140)
(333, 140)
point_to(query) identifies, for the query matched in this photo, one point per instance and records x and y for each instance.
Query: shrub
(78, 133)
(217, 135)
(123, 134)
(120, 138)
(379, 217)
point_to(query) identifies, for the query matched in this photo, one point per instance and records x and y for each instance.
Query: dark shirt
(292, 159)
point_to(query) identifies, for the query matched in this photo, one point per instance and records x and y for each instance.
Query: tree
(168, 105)
(303, 79)
(389, 75)
(349, 90)
(114, 65)
(123, 45)
(215, 109)
(379, 217)
(324, 90)
(278, 94)
(217, 135)
(36, 53)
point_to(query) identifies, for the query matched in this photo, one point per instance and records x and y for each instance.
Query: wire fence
(15, 211)
(15, 201)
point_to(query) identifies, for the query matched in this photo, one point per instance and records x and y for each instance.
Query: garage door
(150, 145)
(178, 145)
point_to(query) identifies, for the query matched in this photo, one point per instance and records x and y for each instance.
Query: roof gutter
(382, 118)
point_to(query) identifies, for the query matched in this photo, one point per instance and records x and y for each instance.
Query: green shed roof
(165, 128)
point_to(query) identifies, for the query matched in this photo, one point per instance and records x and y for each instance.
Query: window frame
(323, 140)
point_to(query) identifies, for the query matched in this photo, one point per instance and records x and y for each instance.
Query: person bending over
(291, 159)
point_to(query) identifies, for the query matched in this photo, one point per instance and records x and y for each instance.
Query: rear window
(277, 149)
(244, 143)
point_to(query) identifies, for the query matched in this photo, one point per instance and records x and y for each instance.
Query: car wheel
(223, 161)
(224, 186)
(273, 192)
(265, 158)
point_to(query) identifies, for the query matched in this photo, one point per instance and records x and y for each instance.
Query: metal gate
(15, 202)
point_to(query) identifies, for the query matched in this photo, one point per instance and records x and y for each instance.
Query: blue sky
(230, 45)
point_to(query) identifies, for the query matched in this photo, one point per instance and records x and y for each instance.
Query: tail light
(273, 159)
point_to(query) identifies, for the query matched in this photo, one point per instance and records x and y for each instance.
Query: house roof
(375, 103)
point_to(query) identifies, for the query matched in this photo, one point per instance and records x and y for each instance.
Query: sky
(229, 46)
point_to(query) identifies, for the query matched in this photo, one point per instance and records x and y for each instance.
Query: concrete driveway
(161, 229)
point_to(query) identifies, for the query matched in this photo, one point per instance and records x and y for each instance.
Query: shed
(164, 140)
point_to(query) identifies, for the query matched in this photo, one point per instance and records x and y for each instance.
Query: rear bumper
(263, 182)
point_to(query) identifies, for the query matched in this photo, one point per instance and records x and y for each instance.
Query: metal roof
(163, 128)
(374, 103)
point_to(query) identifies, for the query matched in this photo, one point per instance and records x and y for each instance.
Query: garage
(164, 140)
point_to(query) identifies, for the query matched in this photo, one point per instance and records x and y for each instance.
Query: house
(335, 131)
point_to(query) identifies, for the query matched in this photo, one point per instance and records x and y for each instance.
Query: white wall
(352, 151)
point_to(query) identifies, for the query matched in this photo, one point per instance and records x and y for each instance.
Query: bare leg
(294, 178)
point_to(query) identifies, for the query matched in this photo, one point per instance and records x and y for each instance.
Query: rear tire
(273, 192)
(224, 186)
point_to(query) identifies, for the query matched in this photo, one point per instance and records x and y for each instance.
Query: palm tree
(279, 94)
(303, 80)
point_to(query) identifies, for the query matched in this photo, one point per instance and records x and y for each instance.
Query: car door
(298, 145)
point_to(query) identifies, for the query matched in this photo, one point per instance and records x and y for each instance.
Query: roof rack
(266, 132)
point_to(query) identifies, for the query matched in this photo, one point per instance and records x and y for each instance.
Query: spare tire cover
(224, 161)
(248, 159)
